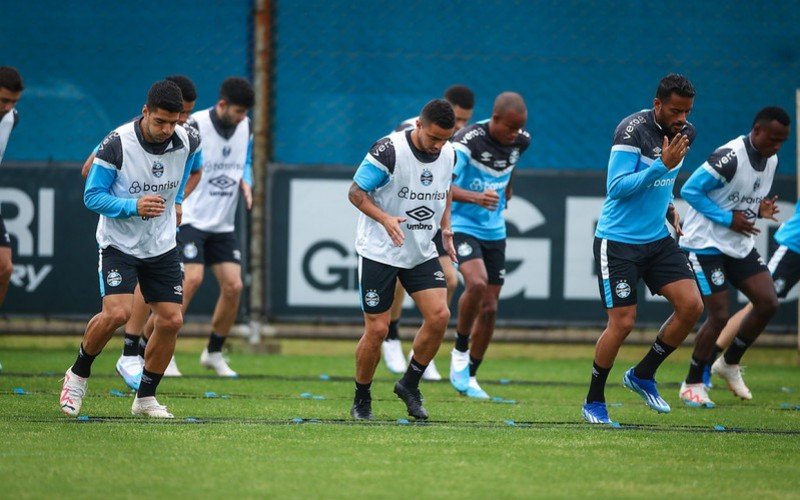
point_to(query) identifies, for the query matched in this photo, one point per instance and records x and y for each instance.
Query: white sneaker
(172, 369)
(695, 395)
(393, 356)
(149, 407)
(130, 370)
(459, 370)
(733, 376)
(72, 393)
(215, 361)
(474, 390)
(430, 373)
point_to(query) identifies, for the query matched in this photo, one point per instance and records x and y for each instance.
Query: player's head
(673, 103)
(463, 100)
(509, 115)
(10, 89)
(189, 93)
(435, 126)
(162, 111)
(236, 97)
(771, 128)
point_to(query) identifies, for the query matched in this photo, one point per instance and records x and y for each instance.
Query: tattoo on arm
(356, 195)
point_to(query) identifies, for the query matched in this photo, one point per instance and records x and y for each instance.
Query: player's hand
(392, 226)
(768, 208)
(151, 205)
(449, 246)
(488, 199)
(674, 219)
(741, 224)
(178, 213)
(247, 192)
(673, 152)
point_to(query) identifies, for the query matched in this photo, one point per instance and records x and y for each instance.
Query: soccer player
(402, 189)
(131, 362)
(135, 182)
(725, 195)
(632, 242)
(463, 101)
(207, 236)
(11, 88)
(487, 153)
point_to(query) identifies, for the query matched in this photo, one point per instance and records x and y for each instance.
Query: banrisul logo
(158, 168)
(426, 178)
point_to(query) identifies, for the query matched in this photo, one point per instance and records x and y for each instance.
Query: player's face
(158, 124)
(769, 137)
(188, 107)
(673, 112)
(232, 114)
(463, 116)
(504, 128)
(432, 137)
(8, 100)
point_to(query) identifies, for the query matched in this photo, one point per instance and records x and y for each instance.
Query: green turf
(244, 443)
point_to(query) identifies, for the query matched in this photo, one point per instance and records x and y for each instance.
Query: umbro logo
(421, 214)
(222, 182)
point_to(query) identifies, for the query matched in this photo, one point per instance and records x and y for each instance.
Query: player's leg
(476, 282)
(117, 277)
(161, 282)
(376, 285)
(129, 365)
(753, 278)
(425, 285)
(6, 268)
(229, 277)
(391, 348)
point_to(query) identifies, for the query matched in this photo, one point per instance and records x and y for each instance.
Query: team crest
(623, 289)
(780, 284)
(158, 168)
(113, 278)
(426, 178)
(371, 298)
(190, 250)
(226, 151)
(514, 156)
(756, 185)
(718, 277)
(464, 249)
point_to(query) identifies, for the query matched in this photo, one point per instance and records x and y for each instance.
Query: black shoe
(362, 409)
(413, 400)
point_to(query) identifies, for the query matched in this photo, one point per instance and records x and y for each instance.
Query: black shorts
(376, 282)
(160, 278)
(493, 253)
(202, 247)
(437, 240)
(620, 266)
(785, 268)
(714, 272)
(5, 239)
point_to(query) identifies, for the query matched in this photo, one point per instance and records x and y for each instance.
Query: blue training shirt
(639, 186)
(789, 232)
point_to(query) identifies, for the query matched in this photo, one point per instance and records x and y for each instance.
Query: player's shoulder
(470, 135)
(523, 139)
(192, 136)
(630, 129)
(383, 151)
(725, 159)
(110, 149)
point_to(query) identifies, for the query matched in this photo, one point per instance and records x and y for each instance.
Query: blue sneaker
(474, 390)
(707, 376)
(647, 390)
(596, 413)
(459, 370)
(130, 370)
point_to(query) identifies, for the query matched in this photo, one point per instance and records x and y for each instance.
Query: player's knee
(692, 309)
(117, 315)
(232, 288)
(6, 268)
(192, 280)
(622, 325)
(477, 286)
(767, 307)
(439, 318)
(170, 322)
(376, 328)
(489, 308)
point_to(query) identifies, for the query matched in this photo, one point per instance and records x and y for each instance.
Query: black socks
(474, 363)
(736, 350)
(393, 334)
(413, 373)
(215, 342)
(597, 386)
(462, 342)
(131, 345)
(148, 385)
(646, 369)
(83, 364)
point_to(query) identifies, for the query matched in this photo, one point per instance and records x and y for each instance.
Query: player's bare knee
(6, 268)
(117, 315)
(477, 286)
(692, 308)
(232, 289)
(439, 318)
(170, 323)
(767, 306)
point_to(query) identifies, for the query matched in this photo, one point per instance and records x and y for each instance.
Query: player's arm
(368, 178)
(87, 165)
(623, 179)
(246, 183)
(447, 229)
(696, 190)
(488, 198)
(195, 174)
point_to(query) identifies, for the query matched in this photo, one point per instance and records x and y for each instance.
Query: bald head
(509, 101)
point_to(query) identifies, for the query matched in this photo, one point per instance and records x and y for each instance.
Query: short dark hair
(770, 113)
(188, 90)
(237, 91)
(461, 96)
(674, 83)
(166, 95)
(440, 112)
(10, 79)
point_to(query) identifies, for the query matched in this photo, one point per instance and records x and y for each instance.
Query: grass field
(282, 430)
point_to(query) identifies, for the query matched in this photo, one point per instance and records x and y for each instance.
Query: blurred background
(332, 77)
